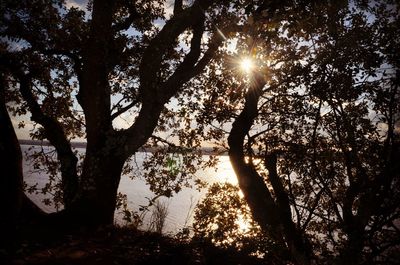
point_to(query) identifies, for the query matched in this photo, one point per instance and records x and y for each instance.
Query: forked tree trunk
(91, 199)
(271, 213)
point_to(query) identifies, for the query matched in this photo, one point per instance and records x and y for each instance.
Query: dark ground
(114, 246)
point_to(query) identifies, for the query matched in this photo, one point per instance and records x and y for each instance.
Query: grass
(158, 216)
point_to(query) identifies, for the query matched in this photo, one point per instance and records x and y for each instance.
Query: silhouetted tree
(314, 128)
(114, 58)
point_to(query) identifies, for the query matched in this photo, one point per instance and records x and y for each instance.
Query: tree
(114, 59)
(11, 162)
(314, 138)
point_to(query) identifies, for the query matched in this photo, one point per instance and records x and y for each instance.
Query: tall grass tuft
(158, 216)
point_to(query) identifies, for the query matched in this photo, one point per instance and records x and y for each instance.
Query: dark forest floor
(115, 246)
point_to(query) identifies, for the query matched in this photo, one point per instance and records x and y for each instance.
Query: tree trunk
(11, 192)
(272, 214)
(16, 209)
(96, 200)
(352, 250)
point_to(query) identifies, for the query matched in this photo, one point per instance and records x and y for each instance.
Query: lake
(180, 206)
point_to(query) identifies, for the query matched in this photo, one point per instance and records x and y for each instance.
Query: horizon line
(150, 149)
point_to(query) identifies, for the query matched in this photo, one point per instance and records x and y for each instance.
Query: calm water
(180, 207)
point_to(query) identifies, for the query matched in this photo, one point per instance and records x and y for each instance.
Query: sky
(76, 3)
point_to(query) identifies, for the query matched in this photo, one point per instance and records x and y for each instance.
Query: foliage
(224, 219)
(216, 217)
(112, 73)
(328, 113)
(320, 108)
(37, 159)
(132, 218)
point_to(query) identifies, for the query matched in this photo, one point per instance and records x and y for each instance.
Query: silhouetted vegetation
(303, 96)
(312, 128)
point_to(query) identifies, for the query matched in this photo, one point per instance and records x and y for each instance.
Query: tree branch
(154, 94)
(152, 57)
(312, 209)
(53, 131)
(177, 7)
(183, 75)
(124, 109)
(133, 15)
(74, 57)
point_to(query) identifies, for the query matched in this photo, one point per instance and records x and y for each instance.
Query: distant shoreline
(204, 150)
(47, 143)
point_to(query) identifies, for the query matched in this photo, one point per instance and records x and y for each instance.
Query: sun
(247, 65)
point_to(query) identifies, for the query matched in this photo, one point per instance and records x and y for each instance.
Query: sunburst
(246, 65)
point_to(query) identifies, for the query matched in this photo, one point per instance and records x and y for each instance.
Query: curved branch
(152, 57)
(124, 109)
(271, 216)
(53, 130)
(190, 67)
(154, 94)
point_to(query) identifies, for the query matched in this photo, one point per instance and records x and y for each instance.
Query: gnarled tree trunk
(272, 214)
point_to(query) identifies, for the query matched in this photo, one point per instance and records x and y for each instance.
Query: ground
(116, 246)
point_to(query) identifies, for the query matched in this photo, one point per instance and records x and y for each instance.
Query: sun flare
(246, 64)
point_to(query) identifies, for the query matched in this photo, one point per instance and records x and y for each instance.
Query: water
(180, 206)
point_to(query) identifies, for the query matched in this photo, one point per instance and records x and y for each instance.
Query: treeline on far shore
(150, 149)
